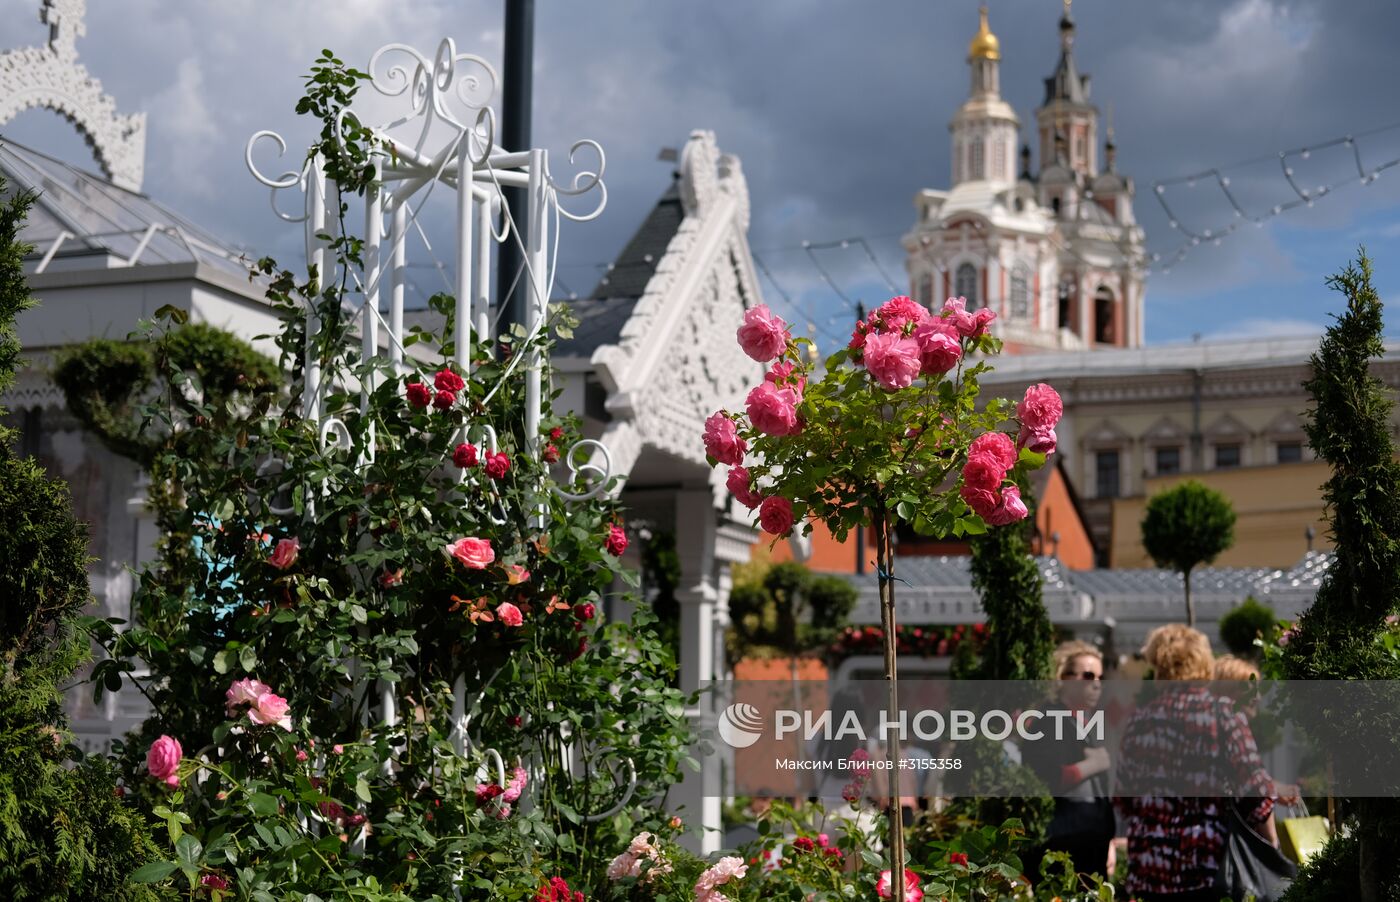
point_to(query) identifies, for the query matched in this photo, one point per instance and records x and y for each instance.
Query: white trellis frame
(441, 132)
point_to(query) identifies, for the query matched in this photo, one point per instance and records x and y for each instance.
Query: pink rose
(244, 692)
(782, 376)
(981, 320)
(893, 361)
(337, 749)
(997, 444)
(446, 380)
(285, 554)
(982, 501)
(213, 881)
(775, 515)
(475, 554)
(895, 313)
(163, 759)
(885, 887)
(858, 336)
(984, 471)
(616, 542)
(763, 336)
(509, 614)
(955, 312)
(271, 709)
(1010, 510)
(773, 410)
(516, 785)
(722, 440)
(465, 455)
(1041, 408)
(1041, 441)
(738, 485)
(939, 347)
(497, 464)
(418, 394)
(516, 574)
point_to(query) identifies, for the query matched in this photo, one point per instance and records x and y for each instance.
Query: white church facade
(1056, 252)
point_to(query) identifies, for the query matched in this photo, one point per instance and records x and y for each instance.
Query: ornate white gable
(51, 77)
(677, 361)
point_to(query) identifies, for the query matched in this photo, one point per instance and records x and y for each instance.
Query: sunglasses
(1086, 675)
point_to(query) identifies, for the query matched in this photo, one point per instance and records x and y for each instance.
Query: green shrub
(1241, 626)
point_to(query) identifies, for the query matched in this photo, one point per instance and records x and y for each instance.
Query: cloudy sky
(839, 112)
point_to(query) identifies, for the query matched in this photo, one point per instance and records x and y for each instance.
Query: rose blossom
(895, 313)
(163, 759)
(982, 501)
(955, 312)
(418, 394)
(781, 376)
(497, 464)
(939, 347)
(516, 785)
(773, 410)
(997, 444)
(616, 542)
(984, 471)
(981, 320)
(738, 484)
(509, 614)
(858, 336)
(722, 440)
(271, 709)
(721, 872)
(912, 893)
(213, 881)
(775, 515)
(1041, 408)
(550, 454)
(444, 400)
(763, 336)
(893, 361)
(285, 554)
(244, 692)
(465, 455)
(474, 553)
(446, 380)
(556, 433)
(1011, 508)
(585, 611)
(1041, 441)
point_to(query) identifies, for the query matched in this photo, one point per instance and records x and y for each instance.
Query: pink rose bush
(643, 859)
(902, 392)
(723, 871)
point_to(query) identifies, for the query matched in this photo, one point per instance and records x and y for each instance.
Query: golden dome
(984, 44)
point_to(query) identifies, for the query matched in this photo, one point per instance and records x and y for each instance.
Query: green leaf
(1031, 459)
(154, 872)
(188, 851)
(221, 661)
(362, 788)
(263, 805)
(357, 613)
(177, 315)
(248, 658)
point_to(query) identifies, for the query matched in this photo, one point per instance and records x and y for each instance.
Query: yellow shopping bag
(1300, 838)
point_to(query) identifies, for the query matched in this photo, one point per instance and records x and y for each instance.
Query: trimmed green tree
(64, 833)
(1020, 638)
(1242, 626)
(1187, 526)
(1342, 635)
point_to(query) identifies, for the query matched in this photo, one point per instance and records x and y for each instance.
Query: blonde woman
(1076, 770)
(1183, 737)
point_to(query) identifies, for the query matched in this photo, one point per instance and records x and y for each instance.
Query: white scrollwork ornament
(599, 475)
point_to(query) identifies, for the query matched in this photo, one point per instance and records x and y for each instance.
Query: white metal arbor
(440, 132)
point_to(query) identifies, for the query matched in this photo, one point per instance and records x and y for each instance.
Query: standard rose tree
(888, 431)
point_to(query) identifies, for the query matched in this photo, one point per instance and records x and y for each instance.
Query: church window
(1066, 317)
(1078, 148)
(1104, 328)
(977, 169)
(999, 159)
(1020, 291)
(925, 293)
(1289, 452)
(966, 284)
(1107, 474)
(1055, 205)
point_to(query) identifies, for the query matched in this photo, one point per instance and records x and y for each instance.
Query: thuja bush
(1345, 635)
(319, 601)
(64, 833)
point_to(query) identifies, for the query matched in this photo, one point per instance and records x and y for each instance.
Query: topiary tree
(64, 833)
(1342, 635)
(1185, 527)
(1243, 625)
(1020, 638)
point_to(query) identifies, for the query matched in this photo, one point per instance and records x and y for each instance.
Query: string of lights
(1302, 196)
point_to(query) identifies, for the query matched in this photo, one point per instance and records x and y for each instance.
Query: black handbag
(1250, 865)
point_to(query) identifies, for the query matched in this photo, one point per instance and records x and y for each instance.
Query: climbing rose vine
(886, 430)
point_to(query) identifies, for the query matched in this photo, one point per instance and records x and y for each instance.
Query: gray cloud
(838, 110)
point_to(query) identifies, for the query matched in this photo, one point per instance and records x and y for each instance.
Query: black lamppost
(518, 66)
